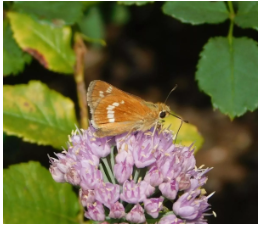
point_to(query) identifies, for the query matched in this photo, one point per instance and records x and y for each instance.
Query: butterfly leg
(124, 138)
(155, 127)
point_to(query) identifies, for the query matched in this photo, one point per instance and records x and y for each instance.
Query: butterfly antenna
(170, 92)
(182, 120)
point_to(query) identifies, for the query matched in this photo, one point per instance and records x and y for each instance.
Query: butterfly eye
(162, 114)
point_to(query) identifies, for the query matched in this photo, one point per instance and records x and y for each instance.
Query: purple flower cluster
(134, 177)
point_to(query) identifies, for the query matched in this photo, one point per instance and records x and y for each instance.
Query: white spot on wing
(110, 112)
(111, 120)
(101, 93)
(122, 102)
(110, 107)
(115, 104)
(109, 89)
(110, 116)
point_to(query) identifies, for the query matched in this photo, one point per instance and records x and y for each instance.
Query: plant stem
(137, 171)
(80, 52)
(231, 17)
(103, 172)
(112, 158)
(110, 173)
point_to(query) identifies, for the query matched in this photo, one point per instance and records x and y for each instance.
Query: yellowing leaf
(188, 133)
(49, 45)
(37, 114)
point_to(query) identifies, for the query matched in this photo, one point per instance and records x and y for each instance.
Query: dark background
(147, 57)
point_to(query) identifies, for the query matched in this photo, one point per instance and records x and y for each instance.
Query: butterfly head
(164, 111)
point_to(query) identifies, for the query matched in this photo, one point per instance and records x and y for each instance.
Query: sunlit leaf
(14, 58)
(196, 12)
(49, 45)
(188, 133)
(37, 114)
(228, 73)
(31, 196)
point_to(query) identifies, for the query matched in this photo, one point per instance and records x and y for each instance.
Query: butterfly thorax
(157, 112)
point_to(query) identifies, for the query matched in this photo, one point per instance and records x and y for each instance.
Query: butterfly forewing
(113, 108)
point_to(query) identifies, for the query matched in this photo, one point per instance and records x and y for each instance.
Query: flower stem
(109, 170)
(80, 52)
(112, 157)
(137, 171)
(103, 172)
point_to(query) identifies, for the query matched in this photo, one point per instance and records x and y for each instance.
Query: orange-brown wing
(97, 90)
(112, 108)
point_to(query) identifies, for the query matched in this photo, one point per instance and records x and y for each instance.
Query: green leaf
(61, 12)
(196, 12)
(49, 45)
(229, 74)
(120, 14)
(37, 114)
(188, 133)
(92, 26)
(247, 15)
(138, 3)
(14, 58)
(31, 196)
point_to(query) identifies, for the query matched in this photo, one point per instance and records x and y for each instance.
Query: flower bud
(90, 176)
(153, 206)
(86, 196)
(122, 171)
(170, 219)
(169, 189)
(154, 176)
(117, 210)
(107, 193)
(133, 193)
(189, 207)
(142, 153)
(124, 167)
(95, 211)
(72, 176)
(57, 175)
(136, 215)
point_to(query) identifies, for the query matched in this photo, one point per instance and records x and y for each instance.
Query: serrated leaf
(92, 26)
(229, 74)
(49, 45)
(31, 196)
(188, 133)
(196, 12)
(247, 15)
(138, 3)
(57, 12)
(14, 58)
(37, 114)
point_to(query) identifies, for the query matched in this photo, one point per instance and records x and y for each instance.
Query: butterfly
(115, 112)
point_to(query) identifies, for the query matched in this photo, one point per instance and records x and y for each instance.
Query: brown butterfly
(115, 112)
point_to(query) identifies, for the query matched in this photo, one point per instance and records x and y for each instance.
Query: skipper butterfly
(115, 111)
